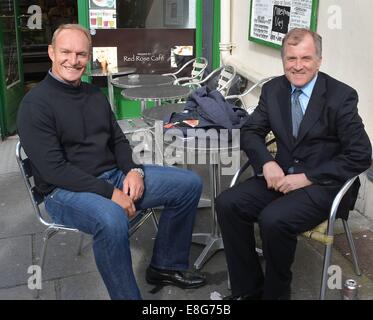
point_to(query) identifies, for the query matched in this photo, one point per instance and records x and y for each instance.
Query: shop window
(39, 19)
(150, 14)
(152, 36)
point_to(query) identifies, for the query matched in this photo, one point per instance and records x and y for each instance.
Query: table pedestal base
(212, 244)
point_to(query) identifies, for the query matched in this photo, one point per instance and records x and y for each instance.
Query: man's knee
(224, 204)
(193, 182)
(271, 223)
(113, 223)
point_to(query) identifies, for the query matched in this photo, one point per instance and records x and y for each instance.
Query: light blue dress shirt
(304, 98)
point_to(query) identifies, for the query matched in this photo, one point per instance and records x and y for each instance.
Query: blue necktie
(296, 111)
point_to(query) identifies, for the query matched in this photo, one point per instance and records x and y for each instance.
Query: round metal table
(159, 113)
(156, 93)
(212, 241)
(118, 71)
(216, 149)
(142, 80)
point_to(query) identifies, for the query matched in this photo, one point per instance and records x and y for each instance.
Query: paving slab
(61, 259)
(8, 163)
(15, 259)
(87, 286)
(16, 212)
(24, 293)
(364, 248)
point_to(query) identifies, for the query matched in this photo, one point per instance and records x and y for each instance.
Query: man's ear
(51, 52)
(319, 64)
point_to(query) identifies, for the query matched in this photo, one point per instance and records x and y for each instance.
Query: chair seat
(319, 234)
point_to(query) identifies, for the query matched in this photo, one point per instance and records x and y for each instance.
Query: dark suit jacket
(332, 145)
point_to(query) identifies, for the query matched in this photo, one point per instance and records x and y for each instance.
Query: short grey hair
(72, 26)
(296, 35)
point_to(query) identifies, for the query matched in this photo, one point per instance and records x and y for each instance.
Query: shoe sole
(168, 282)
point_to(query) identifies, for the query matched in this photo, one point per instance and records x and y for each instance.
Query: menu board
(270, 20)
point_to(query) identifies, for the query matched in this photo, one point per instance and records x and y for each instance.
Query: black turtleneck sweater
(71, 136)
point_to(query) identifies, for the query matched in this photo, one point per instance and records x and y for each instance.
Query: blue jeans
(178, 190)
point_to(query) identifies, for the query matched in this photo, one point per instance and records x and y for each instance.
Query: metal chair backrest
(240, 97)
(198, 69)
(36, 198)
(225, 80)
(199, 66)
(226, 75)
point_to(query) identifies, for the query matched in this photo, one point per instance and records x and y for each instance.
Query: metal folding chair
(52, 229)
(323, 233)
(199, 66)
(224, 82)
(240, 97)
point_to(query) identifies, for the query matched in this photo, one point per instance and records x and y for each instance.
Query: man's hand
(122, 199)
(272, 174)
(292, 182)
(133, 185)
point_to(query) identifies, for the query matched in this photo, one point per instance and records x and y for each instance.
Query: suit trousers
(281, 217)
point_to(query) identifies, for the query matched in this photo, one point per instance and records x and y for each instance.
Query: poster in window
(270, 20)
(104, 58)
(102, 14)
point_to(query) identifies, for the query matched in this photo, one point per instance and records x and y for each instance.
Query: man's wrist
(139, 171)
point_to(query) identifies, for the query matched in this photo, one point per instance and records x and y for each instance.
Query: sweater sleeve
(121, 147)
(38, 135)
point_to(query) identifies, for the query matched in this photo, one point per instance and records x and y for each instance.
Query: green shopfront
(153, 36)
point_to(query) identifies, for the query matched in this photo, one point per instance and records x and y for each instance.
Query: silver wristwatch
(139, 171)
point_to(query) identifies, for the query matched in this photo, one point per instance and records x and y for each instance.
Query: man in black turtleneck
(82, 163)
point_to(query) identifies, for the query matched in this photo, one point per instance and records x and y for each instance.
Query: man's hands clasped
(277, 180)
(133, 189)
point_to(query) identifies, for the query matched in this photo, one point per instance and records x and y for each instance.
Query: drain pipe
(225, 44)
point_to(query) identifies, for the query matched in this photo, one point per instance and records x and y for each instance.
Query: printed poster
(102, 14)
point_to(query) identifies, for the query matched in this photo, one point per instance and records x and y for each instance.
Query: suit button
(296, 161)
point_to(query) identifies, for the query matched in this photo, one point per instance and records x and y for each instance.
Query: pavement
(68, 276)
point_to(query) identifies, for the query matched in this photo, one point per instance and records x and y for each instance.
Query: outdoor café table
(213, 240)
(158, 113)
(141, 80)
(156, 93)
(118, 71)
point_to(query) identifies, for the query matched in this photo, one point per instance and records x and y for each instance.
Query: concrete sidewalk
(69, 276)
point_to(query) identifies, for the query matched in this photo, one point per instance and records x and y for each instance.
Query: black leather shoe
(181, 279)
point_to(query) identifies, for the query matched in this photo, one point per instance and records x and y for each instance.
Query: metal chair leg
(324, 278)
(48, 233)
(80, 248)
(155, 219)
(352, 246)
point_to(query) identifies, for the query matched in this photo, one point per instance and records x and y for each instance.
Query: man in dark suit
(321, 143)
